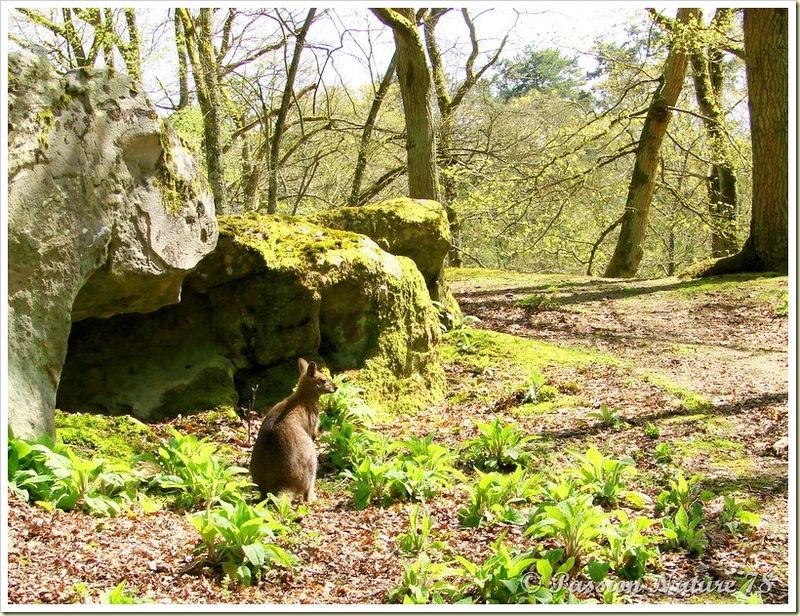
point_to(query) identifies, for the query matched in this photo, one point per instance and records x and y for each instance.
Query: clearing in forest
(656, 400)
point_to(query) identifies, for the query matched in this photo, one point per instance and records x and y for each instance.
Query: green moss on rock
(175, 190)
(275, 288)
(413, 228)
(45, 119)
(369, 310)
(120, 436)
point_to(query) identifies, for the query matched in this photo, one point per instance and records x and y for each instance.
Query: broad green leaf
(598, 570)
(255, 553)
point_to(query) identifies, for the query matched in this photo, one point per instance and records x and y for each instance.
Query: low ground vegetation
(547, 464)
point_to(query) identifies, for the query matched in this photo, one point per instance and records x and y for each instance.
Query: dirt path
(730, 352)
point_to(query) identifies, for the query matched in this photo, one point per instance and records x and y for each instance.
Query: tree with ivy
(80, 37)
(708, 73)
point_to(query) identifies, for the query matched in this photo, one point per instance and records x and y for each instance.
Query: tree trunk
(280, 120)
(212, 115)
(183, 75)
(71, 35)
(767, 48)
(369, 125)
(449, 187)
(108, 37)
(447, 113)
(415, 89)
(131, 52)
(708, 82)
(628, 251)
(767, 64)
(252, 188)
(200, 49)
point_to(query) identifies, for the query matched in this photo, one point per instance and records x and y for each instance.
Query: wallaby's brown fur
(284, 456)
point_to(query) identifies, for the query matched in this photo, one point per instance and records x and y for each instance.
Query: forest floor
(703, 364)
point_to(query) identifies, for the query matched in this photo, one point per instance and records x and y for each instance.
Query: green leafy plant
(347, 444)
(425, 468)
(414, 481)
(194, 474)
(370, 482)
(284, 513)
(605, 477)
(417, 469)
(425, 582)
(629, 550)
(782, 307)
(239, 538)
(608, 416)
(536, 303)
(345, 405)
(663, 453)
(734, 517)
(54, 476)
(500, 446)
(498, 579)
(652, 431)
(423, 450)
(452, 320)
(682, 493)
(555, 491)
(745, 596)
(547, 568)
(416, 540)
(538, 390)
(464, 340)
(495, 498)
(684, 530)
(119, 596)
(575, 522)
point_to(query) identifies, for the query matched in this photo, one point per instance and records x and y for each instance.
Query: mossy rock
(120, 436)
(334, 296)
(413, 228)
(107, 214)
(276, 288)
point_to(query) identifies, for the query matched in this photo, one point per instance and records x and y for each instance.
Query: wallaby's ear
(302, 364)
(312, 369)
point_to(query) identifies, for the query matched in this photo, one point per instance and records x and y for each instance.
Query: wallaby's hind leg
(311, 477)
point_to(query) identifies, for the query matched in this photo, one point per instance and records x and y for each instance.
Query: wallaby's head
(312, 379)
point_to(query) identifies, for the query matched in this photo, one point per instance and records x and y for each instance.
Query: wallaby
(284, 456)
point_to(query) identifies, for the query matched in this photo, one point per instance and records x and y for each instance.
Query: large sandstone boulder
(275, 288)
(107, 213)
(413, 228)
